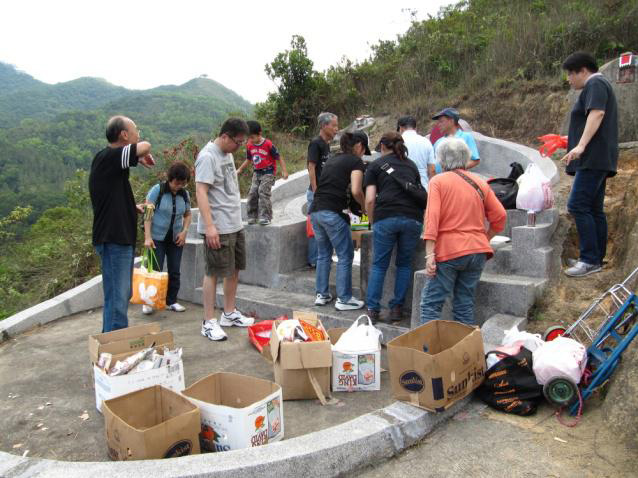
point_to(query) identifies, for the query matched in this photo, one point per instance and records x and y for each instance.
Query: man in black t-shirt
(115, 215)
(318, 154)
(592, 158)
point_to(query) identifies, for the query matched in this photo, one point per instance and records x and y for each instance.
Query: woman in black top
(331, 222)
(397, 219)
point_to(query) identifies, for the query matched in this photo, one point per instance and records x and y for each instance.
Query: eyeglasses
(237, 143)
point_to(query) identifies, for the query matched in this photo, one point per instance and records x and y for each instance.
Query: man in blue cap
(448, 122)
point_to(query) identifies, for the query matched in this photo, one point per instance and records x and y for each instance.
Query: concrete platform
(47, 384)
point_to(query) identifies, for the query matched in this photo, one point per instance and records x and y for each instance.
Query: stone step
(495, 294)
(538, 262)
(263, 303)
(501, 262)
(303, 281)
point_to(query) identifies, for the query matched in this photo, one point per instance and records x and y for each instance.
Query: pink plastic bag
(562, 357)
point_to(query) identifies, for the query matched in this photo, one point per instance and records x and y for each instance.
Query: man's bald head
(116, 125)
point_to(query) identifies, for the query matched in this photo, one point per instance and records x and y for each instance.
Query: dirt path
(483, 443)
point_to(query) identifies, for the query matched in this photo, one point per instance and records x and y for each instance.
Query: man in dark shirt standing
(318, 154)
(115, 215)
(592, 158)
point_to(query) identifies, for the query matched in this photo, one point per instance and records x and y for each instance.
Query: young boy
(264, 157)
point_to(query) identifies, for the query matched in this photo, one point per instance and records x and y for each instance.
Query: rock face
(626, 96)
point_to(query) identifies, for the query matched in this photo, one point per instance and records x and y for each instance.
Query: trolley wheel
(561, 391)
(553, 332)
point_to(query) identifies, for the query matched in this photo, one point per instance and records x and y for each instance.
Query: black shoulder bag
(416, 192)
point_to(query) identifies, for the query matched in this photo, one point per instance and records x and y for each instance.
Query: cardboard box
(302, 369)
(107, 387)
(131, 339)
(151, 423)
(354, 372)
(436, 364)
(237, 411)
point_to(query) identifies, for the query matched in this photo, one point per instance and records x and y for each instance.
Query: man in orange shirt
(457, 244)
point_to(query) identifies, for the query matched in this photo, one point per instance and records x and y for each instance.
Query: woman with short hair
(456, 240)
(166, 231)
(397, 219)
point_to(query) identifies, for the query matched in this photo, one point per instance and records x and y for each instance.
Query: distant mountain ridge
(22, 96)
(47, 132)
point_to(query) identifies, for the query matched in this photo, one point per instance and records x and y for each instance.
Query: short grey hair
(325, 118)
(452, 154)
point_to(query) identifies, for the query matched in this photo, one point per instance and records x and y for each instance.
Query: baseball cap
(404, 121)
(360, 137)
(449, 112)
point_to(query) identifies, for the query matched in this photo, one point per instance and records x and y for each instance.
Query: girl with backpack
(166, 231)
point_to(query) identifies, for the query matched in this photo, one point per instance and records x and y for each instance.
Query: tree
(294, 106)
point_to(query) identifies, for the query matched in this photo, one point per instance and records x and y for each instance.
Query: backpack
(163, 189)
(506, 190)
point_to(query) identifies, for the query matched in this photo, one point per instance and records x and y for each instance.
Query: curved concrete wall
(497, 155)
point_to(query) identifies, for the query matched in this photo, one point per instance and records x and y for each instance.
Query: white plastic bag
(534, 190)
(359, 338)
(561, 357)
(530, 341)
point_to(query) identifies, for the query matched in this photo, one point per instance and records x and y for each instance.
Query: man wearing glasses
(220, 224)
(115, 215)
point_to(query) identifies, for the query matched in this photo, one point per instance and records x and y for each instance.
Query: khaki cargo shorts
(231, 256)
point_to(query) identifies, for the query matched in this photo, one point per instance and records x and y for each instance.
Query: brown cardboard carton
(436, 364)
(302, 369)
(130, 339)
(151, 423)
(237, 411)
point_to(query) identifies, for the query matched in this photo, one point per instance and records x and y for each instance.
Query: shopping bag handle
(148, 259)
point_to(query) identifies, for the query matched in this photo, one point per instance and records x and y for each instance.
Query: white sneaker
(212, 331)
(352, 304)
(176, 307)
(235, 318)
(252, 220)
(147, 309)
(582, 269)
(323, 299)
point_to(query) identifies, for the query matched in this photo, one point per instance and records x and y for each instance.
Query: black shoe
(374, 315)
(396, 314)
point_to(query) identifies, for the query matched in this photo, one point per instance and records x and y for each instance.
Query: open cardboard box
(354, 372)
(151, 423)
(302, 369)
(237, 411)
(107, 387)
(436, 364)
(130, 339)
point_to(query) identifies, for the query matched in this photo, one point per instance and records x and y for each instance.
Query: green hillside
(47, 132)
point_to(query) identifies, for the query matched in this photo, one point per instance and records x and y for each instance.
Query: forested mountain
(49, 131)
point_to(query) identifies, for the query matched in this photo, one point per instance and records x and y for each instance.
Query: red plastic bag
(309, 231)
(552, 142)
(259, 333)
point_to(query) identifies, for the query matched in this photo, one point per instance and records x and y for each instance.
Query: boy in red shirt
(264, 156)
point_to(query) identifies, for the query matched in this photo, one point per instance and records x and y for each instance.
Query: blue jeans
(312, 242)
(332, 231)
(461, 276)
(173, 254)
(585, 204)
(117, 273)
(405, 233)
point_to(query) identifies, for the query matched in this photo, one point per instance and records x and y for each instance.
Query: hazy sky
(142, 43)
